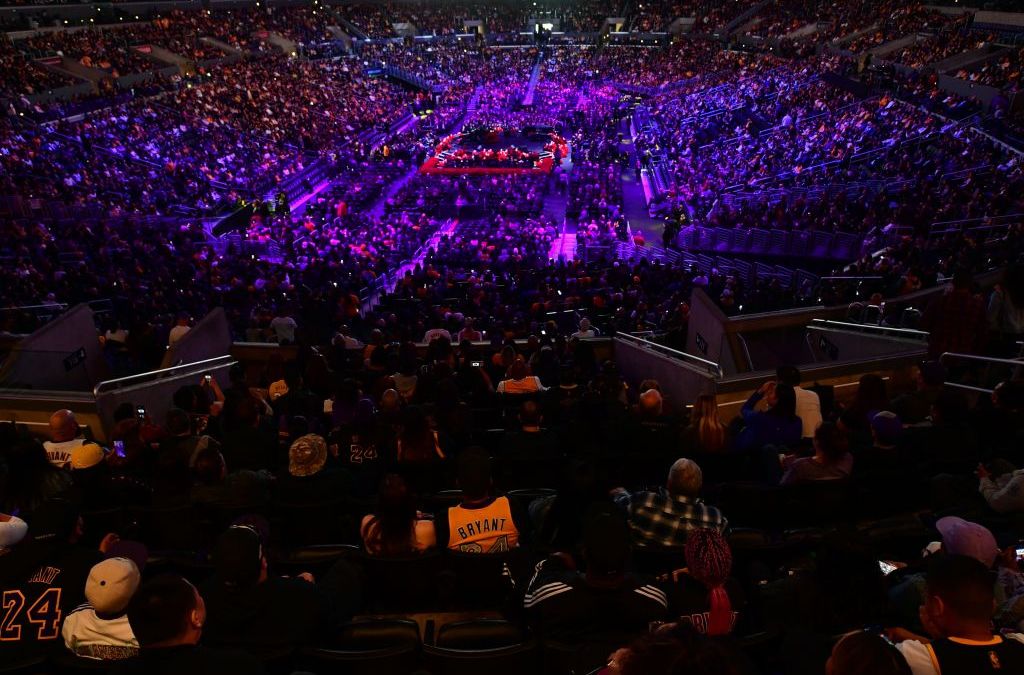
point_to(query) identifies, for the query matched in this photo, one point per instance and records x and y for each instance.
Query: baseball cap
(237, 556)
(307, 455)
(111, 585)
(962, 537)
(86, 456)
(887, 426)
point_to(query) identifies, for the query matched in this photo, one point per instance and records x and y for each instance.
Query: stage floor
(475, 152)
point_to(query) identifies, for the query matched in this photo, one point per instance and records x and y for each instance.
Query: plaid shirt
(658, 519)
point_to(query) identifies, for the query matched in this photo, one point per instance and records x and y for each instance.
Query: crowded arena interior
(611, 337)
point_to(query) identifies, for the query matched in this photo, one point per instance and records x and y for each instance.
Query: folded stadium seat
(439, 501)
(748, 504)
(898, 538)
(822, 502)
(525, 496)
(316, 559)
(484, 580)
(855, 311)
(491, 646)
(309, 524)
(402, 584)
(872, 315)
(370, 647)
(523, 473)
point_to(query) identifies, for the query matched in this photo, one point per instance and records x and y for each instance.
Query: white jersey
(59, 454)
(91, 637)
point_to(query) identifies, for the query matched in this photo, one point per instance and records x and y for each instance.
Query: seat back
(371, 647)
(478, 580)
(479, 634)
(403, 584)
(512, 660)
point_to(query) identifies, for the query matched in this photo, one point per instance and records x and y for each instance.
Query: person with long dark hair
(396, 529)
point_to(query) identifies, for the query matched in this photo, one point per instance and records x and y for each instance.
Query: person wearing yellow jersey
(481, 522)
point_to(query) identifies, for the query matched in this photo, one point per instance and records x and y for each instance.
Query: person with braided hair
(703, 594)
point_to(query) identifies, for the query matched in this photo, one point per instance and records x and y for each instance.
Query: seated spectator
(884, 458)
(957, 615)
(64, 437)
(48, 570)
(675, 648)
(831, 460)
(1002, 486)
(531, 441)
(100, 629)
(248, 608)
(808, 405)
(705, 433)
(866, 653)
(167, 616)
(397, 528)
(777, 426)
(666, 517)
(214, 486)
(585, 331)
(704, 595)
(605, 602)
(519, 380)
(34, 478)
(914, 406)
(310, 479)
(97, 486)
(417, 443)
(481, 523)
(959, 537)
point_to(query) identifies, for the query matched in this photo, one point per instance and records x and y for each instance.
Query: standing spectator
(181, 327)
(167, 616)
(284, 327)
(1006, 312)
(65, 436)
(666, 518)
(808, 405)
(956, 322)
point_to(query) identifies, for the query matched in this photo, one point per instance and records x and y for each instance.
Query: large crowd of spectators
(442, 365)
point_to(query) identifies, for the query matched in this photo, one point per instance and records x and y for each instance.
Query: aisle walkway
(633, 196)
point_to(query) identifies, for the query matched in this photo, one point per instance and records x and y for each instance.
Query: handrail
(985, 359)
(829, 323)
(154, 375)
(711, 366)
